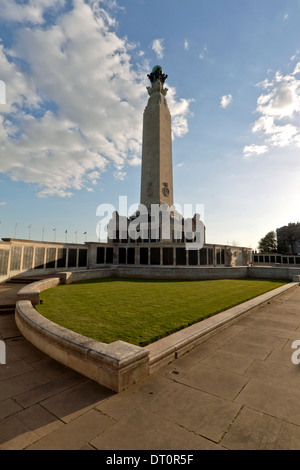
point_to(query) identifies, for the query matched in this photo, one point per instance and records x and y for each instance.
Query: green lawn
(141, 311)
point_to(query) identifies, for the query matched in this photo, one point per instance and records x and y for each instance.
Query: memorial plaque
(155, 256)
(72, 260)
(193, 257)
(144, 255)
(82, 259)
(180, 256)
(4, 254)
(131, 256)
(51, 255)
(27, 257)
(16, 254)
(100, 255)
(203, 256)
(168, 256)
(210, 256)
(122, 255)
(61, 257)
(39, 258)
(223, 256)
(109, 256)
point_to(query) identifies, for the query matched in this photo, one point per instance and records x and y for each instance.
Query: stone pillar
(157, 172)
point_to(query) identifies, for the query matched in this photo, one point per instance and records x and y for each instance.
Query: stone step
(5, 309)
(23, 280)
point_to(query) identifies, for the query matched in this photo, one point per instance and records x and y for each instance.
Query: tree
(268, 244)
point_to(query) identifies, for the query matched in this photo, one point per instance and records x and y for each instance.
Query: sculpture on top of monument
(157, 79)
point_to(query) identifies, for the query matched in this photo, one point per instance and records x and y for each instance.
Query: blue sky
(71, 129)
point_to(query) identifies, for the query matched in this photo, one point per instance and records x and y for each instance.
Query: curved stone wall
(116, 365)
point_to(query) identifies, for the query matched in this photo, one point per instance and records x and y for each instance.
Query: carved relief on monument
(150, 189)
(165, 190)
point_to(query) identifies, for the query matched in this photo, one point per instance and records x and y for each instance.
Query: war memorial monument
(156, 241)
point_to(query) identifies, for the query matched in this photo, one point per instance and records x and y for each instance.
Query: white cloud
(279, 109)
(297, 69)
(203, 52)
(31, 12)
(180, 112)
(186, 44)
(253, 149)
(158, 48)
(3, 203)
(225, 101)
(294, 56)
(94, 119)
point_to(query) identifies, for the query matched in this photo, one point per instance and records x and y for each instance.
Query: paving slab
(278, 401)
(48, 390)
(164, 435)
(75, 401)
(13, 386)
(15, 435)
(275, 374)
(282, 355)
(253, 430)
(8, 407)
(8, 293)
(187, 361)
(228, 361)
(197, 411)
(14, 369)
(218, 382)
(39, 420)
(261, 339)
(75, 434)
(247, 349)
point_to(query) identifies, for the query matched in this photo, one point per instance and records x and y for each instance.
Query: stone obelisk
(157, 171)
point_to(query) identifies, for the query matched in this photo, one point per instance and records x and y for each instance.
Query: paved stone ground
(237, 390)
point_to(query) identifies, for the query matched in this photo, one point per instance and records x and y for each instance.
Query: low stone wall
(32, 291)
(84, 275)
(270, 272)
(186, 272)
(115, 366)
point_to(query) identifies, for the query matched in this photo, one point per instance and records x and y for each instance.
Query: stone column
(157, 172)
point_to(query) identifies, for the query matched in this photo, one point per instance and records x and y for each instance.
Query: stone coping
(32, 291)
(119, 364)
